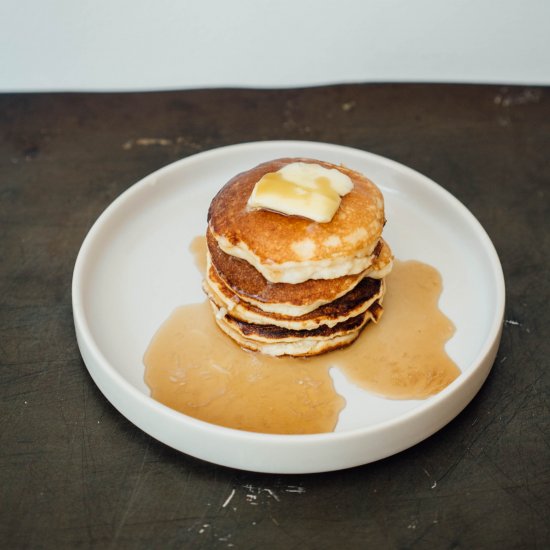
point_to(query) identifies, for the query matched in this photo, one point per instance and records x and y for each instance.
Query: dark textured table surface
(75, 473)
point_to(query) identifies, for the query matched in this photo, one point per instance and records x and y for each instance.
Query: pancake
(351, 304)
(292, 249)
(272, 333)
(249, 285)
(277, 342)
(286, 285)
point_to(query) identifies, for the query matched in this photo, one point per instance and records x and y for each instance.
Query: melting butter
(302, 189)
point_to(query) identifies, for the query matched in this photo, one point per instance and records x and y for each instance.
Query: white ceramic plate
(134, 268)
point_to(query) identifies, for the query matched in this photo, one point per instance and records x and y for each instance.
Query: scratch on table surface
(255, 492)
(131, 499)
(272, 494)
(294, 489)
(228, 499)
(147, 142)
(434, 484)
(458, 459)
(512, 322)
(180, 141)
(505, 98)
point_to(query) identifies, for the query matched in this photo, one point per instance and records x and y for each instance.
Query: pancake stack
(287, 285)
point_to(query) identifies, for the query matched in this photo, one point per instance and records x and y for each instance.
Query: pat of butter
(302, 189)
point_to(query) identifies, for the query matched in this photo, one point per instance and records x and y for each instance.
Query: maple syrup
(192, 367)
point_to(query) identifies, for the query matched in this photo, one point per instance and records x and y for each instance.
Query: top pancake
(292, 249)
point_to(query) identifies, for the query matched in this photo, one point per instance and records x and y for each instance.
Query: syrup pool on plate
(192, 367)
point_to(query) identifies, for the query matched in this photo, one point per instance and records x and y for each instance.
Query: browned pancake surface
(246, 281)
(270, 236)
(366, 290)
(273, 332)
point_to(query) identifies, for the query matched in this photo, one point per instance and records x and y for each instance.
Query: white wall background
(167, 44)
